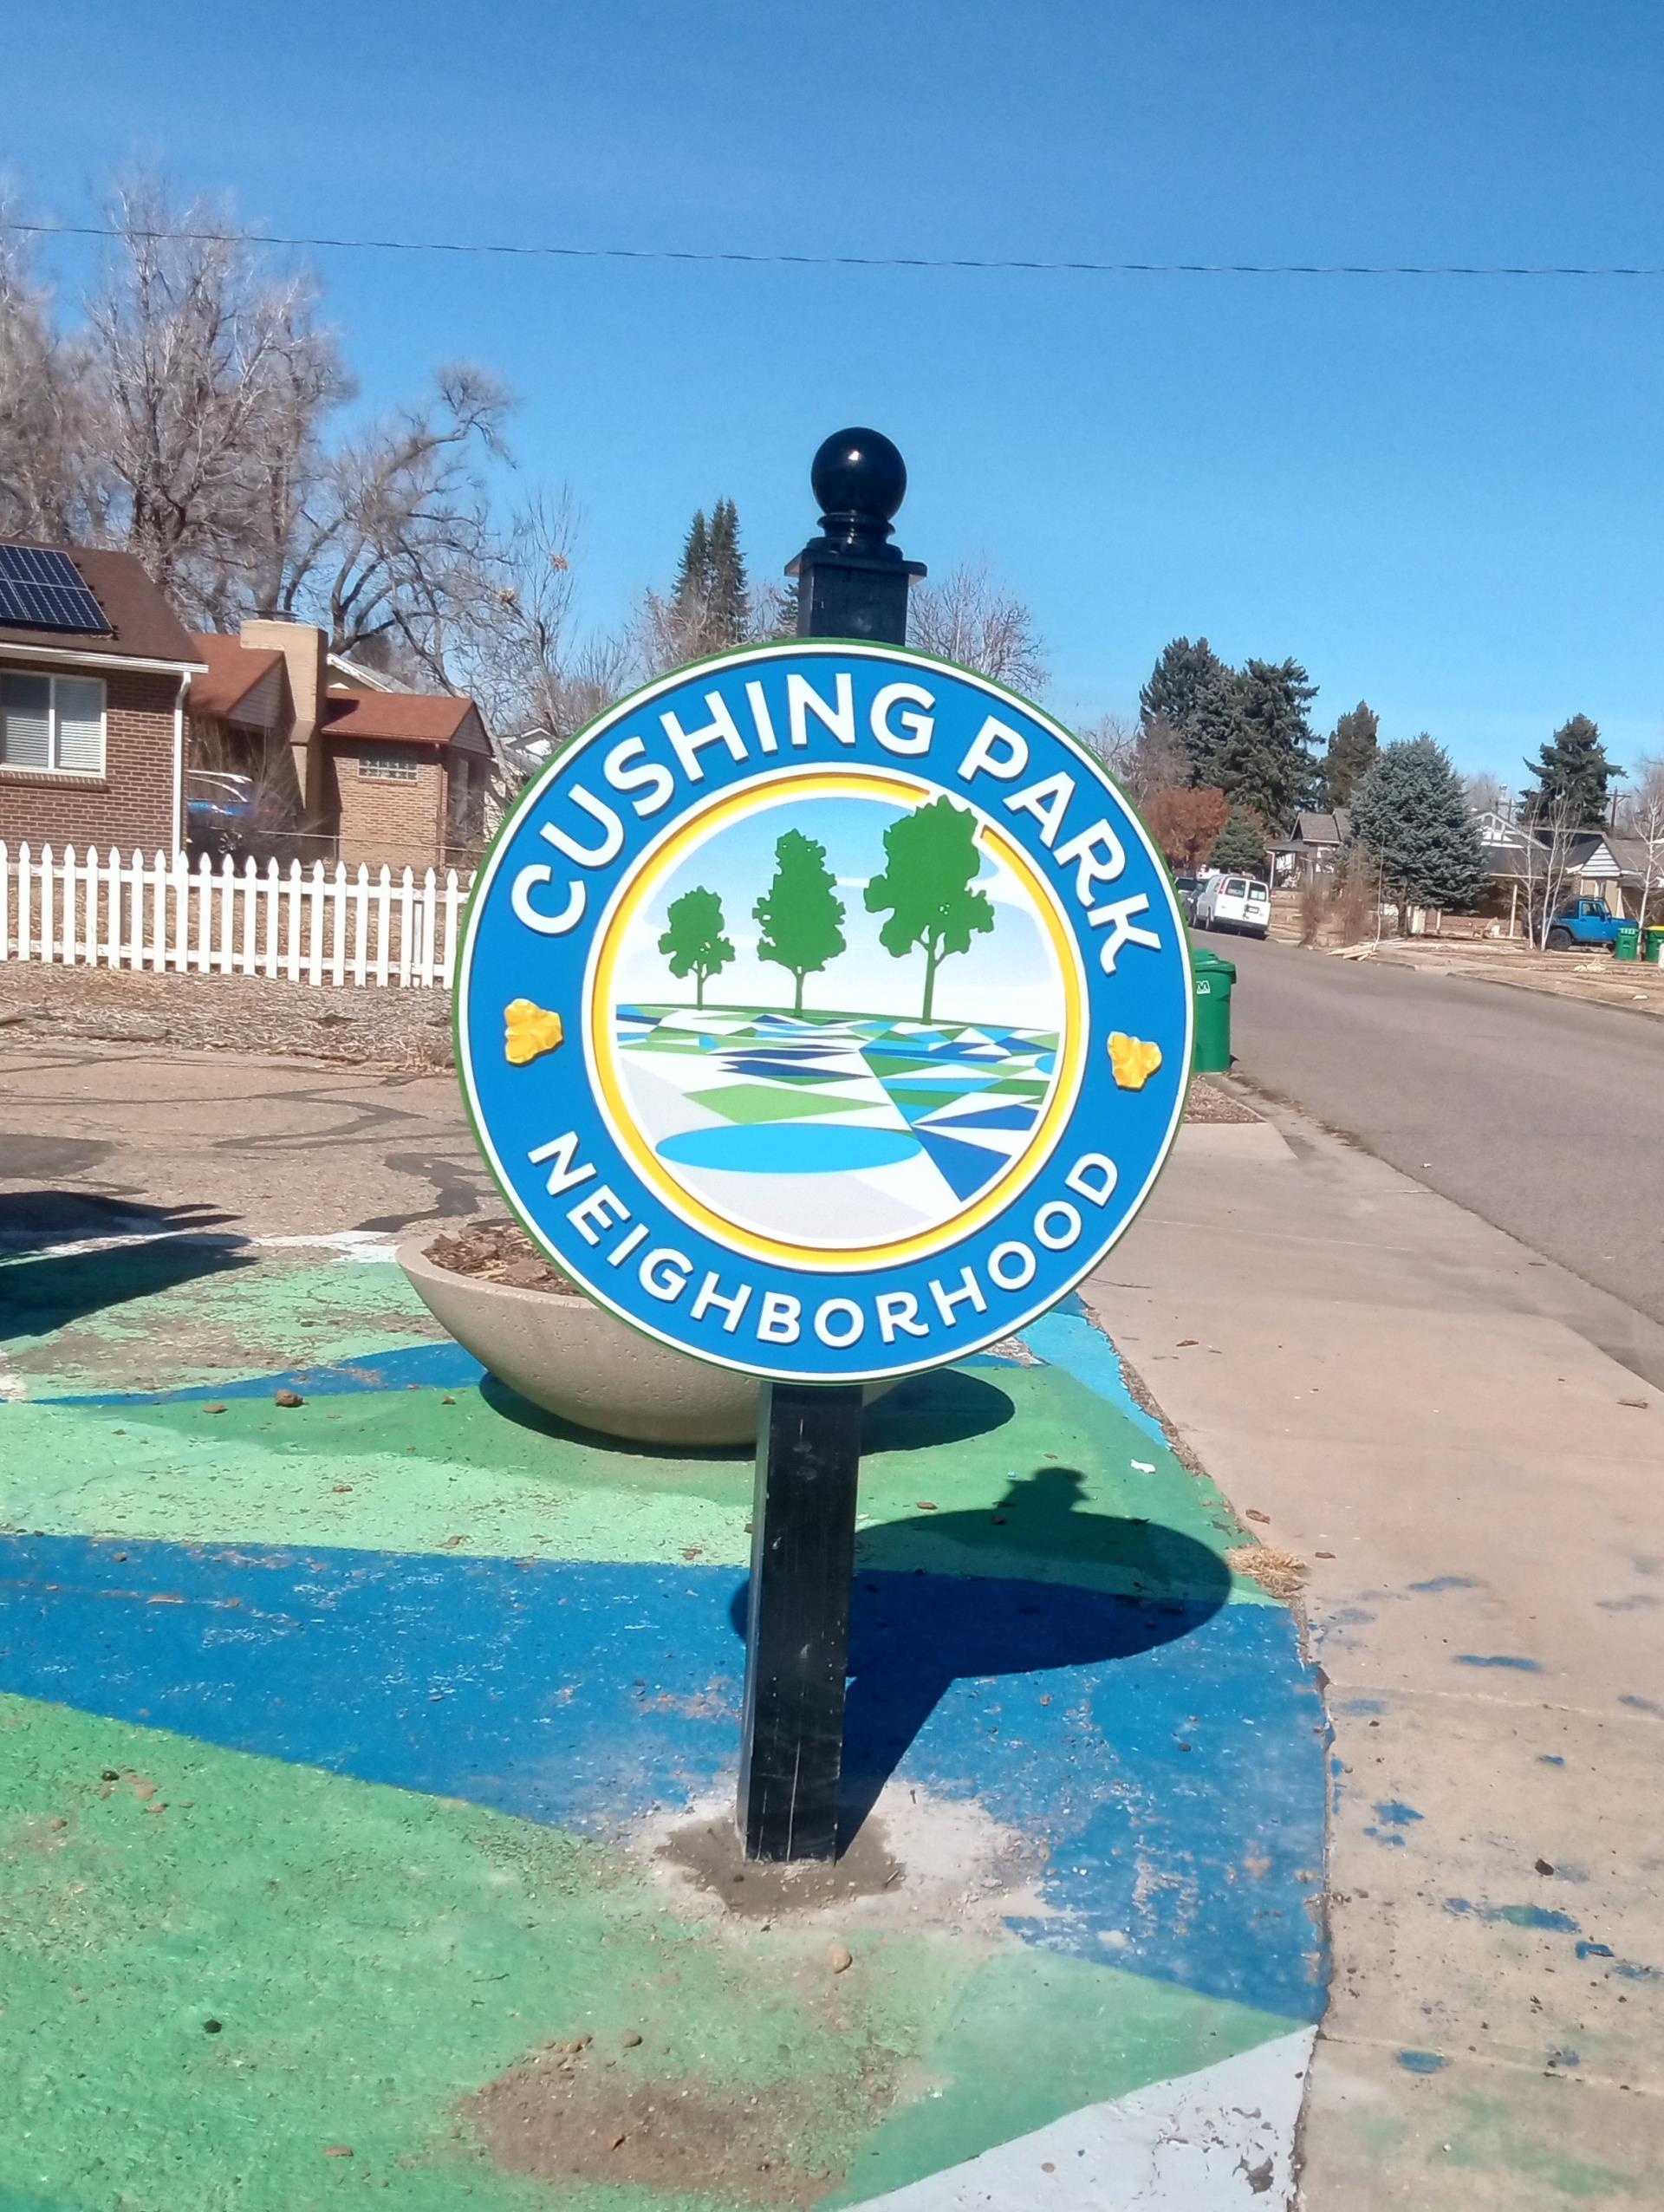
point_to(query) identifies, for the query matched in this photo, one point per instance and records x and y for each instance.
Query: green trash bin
(1654, 946)
(1213, 979)
(1626, 946)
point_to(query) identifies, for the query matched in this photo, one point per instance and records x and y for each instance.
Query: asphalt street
(1542, 1115)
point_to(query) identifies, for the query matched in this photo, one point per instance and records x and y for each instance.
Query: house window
(52, 723)
(387, 767)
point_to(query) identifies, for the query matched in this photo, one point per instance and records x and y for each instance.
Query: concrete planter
(576, 1360)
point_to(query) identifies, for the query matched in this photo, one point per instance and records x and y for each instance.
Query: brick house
(404, 773)
(95, 667)
(371, 776)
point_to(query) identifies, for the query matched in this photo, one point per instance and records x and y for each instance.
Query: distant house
(1312, 847)
(1596, 863)
(94, 669)
(1498, 831)
(356, 771)
(404, 769)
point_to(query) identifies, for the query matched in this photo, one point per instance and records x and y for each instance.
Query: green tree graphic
(694, 940)
(800, 911)
(932, 861)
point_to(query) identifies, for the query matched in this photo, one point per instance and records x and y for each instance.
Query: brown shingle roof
(143, 625)
(1321, 828)
(234, 669)
(395, 718)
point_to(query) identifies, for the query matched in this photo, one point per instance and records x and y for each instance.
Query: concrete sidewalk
(1436, 1421)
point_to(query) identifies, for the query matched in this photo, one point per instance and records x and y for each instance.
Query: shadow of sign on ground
(47, 1288)
(913, 1633)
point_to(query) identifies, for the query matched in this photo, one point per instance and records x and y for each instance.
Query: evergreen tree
(1354, 749)
(800, 911)
(1278, 775)
(1211, 734)
(1411, 812)
(1177, 683)
(729, 615)
(695, 577)
(1240, 846)
(1262, 759)
(786, 622)
(1244, 732)
(1572, 766)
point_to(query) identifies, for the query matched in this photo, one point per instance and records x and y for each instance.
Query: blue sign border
(584, 1203)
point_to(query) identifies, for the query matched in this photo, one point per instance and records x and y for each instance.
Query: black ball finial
(859, 479)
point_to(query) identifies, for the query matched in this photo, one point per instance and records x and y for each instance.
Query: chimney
(306, 652)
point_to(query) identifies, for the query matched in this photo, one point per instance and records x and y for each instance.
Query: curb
(1234, 1140)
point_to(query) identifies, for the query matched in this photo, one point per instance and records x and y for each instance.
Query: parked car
(227, 812)
(1188, 888)
(1581, 922)
(1236, 902)
(217, 795)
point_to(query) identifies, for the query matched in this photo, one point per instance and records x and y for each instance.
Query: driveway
(269, 1147)
(1539, 1115)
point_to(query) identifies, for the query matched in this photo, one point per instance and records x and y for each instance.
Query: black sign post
(852, 582)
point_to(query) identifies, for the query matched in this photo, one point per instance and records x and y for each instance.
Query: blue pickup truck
(1581, 922)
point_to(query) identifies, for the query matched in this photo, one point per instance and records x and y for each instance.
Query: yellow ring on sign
(1071, 1043)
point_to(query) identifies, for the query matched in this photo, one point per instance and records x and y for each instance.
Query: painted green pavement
(413, 1469)
(372, 1956)
(170, 1312)
(396, 1685)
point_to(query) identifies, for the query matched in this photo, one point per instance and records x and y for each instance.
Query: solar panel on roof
(43, 590)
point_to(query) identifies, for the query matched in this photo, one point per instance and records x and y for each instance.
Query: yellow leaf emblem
(1134, 1061)
(528, 1031)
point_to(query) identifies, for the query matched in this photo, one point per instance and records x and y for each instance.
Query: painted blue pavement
(436, 1367)
(1168, 1758)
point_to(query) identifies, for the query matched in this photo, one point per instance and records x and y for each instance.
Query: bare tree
(536, 679)
(667, 632)
(1546, 862)
(53, 485)
(774, 610)
(1144, 758)
(1114, 740)
(970, 618)
(520, 676)
(215, 385)
(209, 381)
(1641, 816)
(1484, 793)
(396, 548)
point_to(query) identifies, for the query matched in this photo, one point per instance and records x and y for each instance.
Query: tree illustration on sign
(694, 940)
(800, 911)
(932, 861)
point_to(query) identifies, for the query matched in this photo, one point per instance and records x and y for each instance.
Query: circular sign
(824, 1011)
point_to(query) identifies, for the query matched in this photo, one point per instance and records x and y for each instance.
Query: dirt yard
(1635, 987)
(403, 1029)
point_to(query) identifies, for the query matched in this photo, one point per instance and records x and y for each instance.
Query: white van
(1238, 902)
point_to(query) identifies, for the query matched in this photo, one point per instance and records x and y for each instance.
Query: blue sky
(1440, 494)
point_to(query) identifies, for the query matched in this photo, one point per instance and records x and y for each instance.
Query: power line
(825, 260)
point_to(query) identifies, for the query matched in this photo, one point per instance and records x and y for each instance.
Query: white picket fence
(304, 925)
